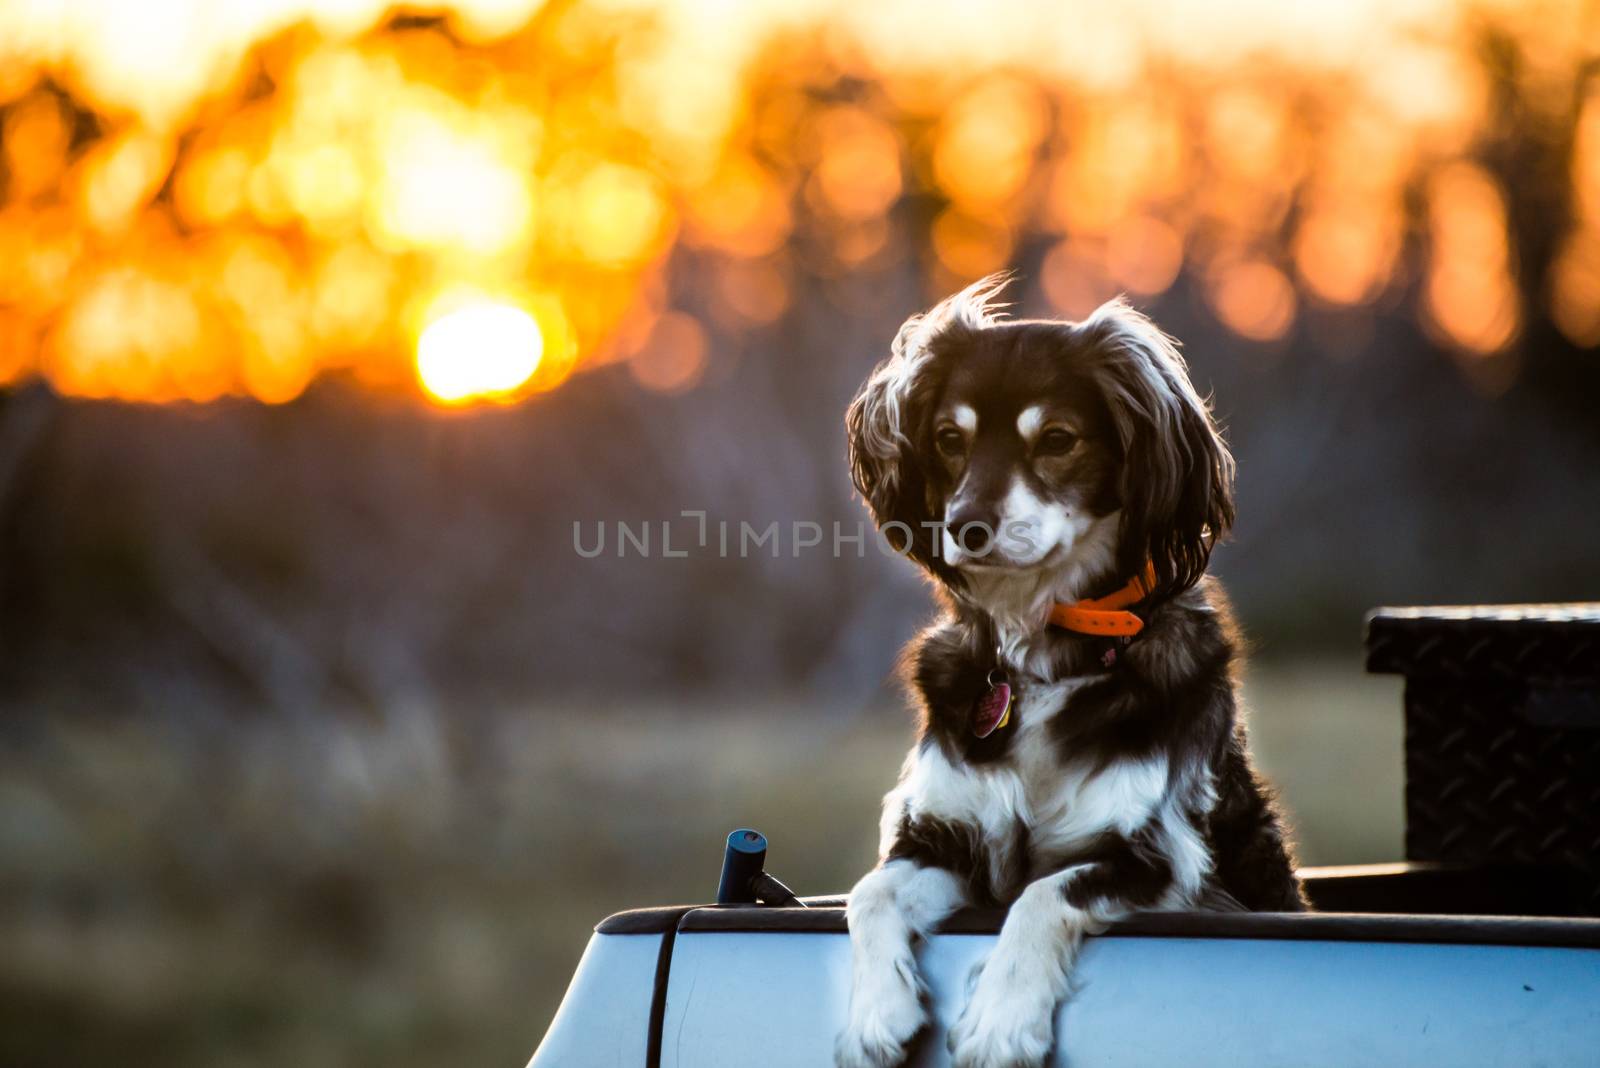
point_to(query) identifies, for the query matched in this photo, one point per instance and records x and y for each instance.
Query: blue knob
(742, 861)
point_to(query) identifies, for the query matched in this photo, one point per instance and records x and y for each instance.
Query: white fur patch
(965, 418)
(1190, 857)
(1085, 803)
(1030, 422)
(1031, 528)
(1182, 842)
(931, 785)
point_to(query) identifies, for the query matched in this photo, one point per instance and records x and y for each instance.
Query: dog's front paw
(886, 1013)
(1003, 1026)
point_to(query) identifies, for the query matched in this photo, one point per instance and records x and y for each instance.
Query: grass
(417, 889)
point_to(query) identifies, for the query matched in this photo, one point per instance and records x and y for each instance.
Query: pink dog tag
(993, 711)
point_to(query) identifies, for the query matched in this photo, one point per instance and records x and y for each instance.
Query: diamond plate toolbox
(1502, 707)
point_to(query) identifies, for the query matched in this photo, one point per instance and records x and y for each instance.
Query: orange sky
(248, 218)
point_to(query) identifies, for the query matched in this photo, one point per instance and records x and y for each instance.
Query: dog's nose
(973, 529)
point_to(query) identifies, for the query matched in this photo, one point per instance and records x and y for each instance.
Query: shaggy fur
(1024, 463)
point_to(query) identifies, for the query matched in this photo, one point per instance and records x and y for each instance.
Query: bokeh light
(1470, 296)
(674, 357)
(270, 192)
(1575, 285)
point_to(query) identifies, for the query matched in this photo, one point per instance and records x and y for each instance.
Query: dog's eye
(950, 441)
(1056, 442)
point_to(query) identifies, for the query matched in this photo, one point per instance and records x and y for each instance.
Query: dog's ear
(885, 426)
(1177, 472)
(888, 423)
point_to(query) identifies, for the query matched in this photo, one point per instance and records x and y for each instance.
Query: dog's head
(1040, 446)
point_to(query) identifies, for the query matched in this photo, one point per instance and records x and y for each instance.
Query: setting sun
(482, 350)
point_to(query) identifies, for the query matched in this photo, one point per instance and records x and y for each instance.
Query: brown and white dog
(1030, 465)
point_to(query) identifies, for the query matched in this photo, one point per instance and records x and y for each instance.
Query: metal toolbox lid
(1504, 643)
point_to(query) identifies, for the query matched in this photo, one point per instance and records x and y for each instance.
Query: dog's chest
(1036, 761)
(1039, 804)
(1071, 798)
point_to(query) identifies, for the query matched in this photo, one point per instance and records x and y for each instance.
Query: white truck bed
(745, 986)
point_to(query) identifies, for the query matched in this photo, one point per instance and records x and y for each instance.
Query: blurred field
(416, 891)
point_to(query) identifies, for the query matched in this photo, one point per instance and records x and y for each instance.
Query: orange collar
(1106, 616)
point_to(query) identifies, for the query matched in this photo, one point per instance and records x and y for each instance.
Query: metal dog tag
(994, 708)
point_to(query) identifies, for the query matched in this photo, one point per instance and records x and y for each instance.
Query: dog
(1081, 755)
